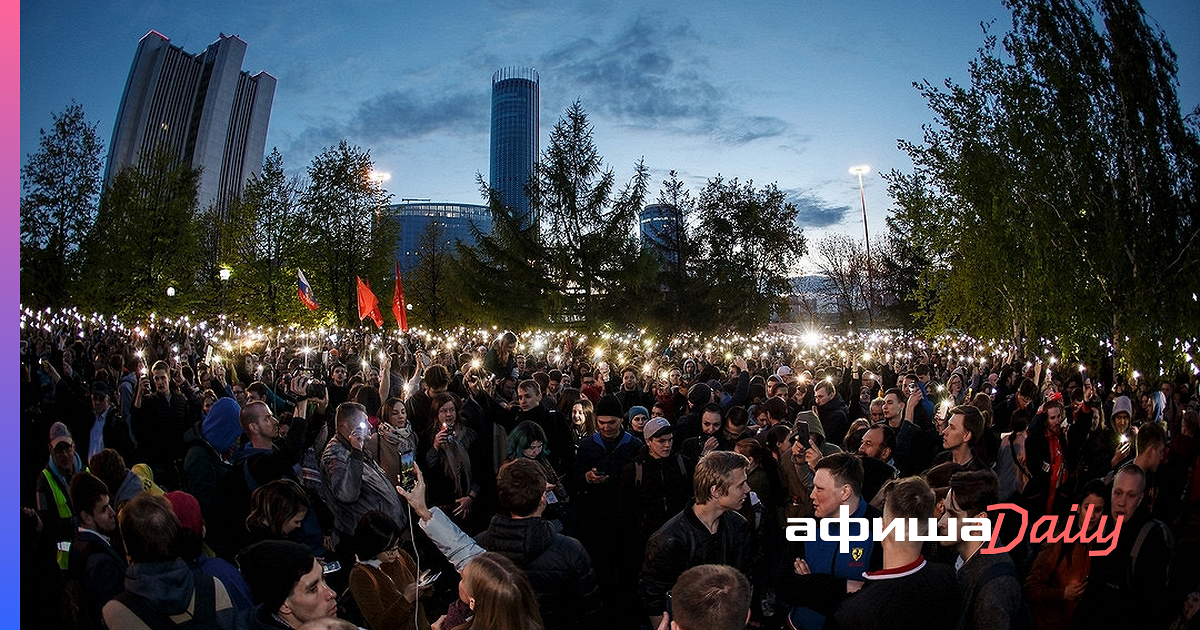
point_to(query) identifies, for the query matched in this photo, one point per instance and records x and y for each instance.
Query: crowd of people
(488, 484)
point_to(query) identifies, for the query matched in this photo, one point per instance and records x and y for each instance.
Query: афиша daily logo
(1043, 530)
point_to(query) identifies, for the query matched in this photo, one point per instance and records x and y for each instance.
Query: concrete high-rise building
(202, 107)
(660, 227)
(455, 219)
(515, 129)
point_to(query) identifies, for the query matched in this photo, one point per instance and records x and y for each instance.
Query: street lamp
(225, 272)
(860, 170)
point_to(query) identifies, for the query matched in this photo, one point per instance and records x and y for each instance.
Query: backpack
(1023, 619)
(1141, 538)
(203, 613)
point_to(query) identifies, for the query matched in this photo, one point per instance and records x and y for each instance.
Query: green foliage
(1055, 195)
(747, 247)
(346, 233)
(262, 245)
(146, 239)
(430, 287)
(580, 263)
(59, 189)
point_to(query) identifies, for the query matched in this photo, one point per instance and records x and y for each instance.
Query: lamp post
(860, 170)
(224, 273)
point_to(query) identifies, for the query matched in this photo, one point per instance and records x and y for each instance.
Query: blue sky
(788, 92)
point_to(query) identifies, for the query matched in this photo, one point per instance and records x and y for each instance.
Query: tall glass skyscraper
(202, 107)
(660, 227)
(515, 128)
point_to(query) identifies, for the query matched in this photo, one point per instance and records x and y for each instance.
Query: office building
(660, 227)
(515, 128)
(455, 220)
(202, 107)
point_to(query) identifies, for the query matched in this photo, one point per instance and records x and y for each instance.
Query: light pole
(860, 170)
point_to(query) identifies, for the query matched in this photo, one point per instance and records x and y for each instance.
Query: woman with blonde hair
(498, 594)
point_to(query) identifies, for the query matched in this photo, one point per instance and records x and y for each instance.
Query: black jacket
(684, 542)
(833, 419)
(664, 487)
(558, 567)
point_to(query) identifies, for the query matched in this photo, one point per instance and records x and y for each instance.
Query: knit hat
(187, 509)
(222, 426)
(272, 568)
(59, 433)
(700, 394)
(636, 410)
(608, 405)
(1122, 403)
(783, 371)
(657, 427)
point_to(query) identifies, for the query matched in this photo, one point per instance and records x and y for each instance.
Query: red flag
(368, 304)
(398, 307)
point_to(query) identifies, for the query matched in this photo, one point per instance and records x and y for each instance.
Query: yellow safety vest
(64, 511)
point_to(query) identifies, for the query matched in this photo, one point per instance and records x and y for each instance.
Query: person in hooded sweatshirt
(210, 445)
(160, 587)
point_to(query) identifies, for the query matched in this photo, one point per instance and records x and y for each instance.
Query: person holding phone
(384, 580)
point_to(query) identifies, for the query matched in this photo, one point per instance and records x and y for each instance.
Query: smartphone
(801, 433)
(426, 579)
(667, 612)
(407, 477)
(330, 567)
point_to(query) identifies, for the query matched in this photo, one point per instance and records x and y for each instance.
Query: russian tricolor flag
(305, 291)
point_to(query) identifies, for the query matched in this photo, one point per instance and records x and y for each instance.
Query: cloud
(812, 211)
(650, 75)
(399, 115)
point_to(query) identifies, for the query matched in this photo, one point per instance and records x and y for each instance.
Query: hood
(521, 540)
(167, 586)
(222, 426)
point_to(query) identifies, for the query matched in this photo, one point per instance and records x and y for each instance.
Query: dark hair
(109, 467)
(437, 377)
(975, 490)
(530, 384)
(85, 492)
(520, 486)
(150, 528)
(844, 468)
(776, 408)
(972, 422)
(1026, 388)
(737, 416)
(275, 503)
(347, 411)
(712, 597)
(567, 397)
(1150, 434)
(374, 534)
(368, 397)
(522, 435)
(713, 408)
(889, 435)
(898, 393)
(825, 385)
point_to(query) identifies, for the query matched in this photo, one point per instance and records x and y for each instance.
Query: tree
(676, 249)
(60, 185)
(430, 284)
(747, 249)
(594, 259)
(579, 264)
(843, 262)
(146, 238)
(347, 232)
(262, 243)
(1055, 195)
